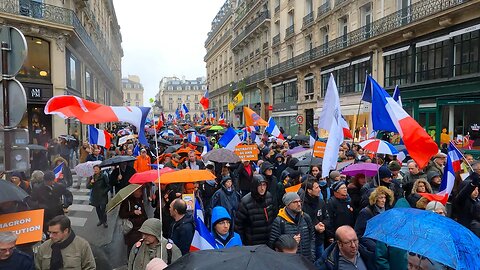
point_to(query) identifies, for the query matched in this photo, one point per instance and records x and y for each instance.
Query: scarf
(56, 262)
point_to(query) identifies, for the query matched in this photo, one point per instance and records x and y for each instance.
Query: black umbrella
(67, 137)
(301, 138)
(241, 258)
(36, 147)
(190, 130)
(10, 192)
(161, 141)
(116, 160)
(172, 148)
(309, 161)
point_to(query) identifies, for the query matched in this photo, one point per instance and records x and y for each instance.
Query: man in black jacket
(193, 163)
(293, 221)
(255, 213)
(243, 177)
(183, 227)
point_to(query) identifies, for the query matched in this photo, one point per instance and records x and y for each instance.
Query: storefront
(461, 119)
(284, 109)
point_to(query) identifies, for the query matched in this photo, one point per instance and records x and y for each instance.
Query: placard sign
(247, 152)
(28, 225)
(319, 149)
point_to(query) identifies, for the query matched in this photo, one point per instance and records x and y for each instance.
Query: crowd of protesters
(248, 203)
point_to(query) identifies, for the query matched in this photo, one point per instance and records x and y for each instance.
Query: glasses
(5, 250)
(297, 201)
(354, 241)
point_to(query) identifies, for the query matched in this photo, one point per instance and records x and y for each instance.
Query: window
(309, 84)
(276, 57)
(88, 84)
(73, 71)
(308, 7)
(308, 43)
(170, 97)
(37, 63)
(137, 96)
(285, 93)
(179, 98)
(343, 30)
(290, 52)
(196, 97)
(128, 96)
(433, 61)
(188, 106)
(170, 106)
(366, 18)
(188, 97)
(349, 79)
(196, 106)
(179, 88)
(466, 50)
(398, 68)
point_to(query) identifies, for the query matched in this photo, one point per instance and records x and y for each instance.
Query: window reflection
(37, 64)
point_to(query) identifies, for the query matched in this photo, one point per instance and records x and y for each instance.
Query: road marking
(77, 221)
(81, 197)
(81, 207)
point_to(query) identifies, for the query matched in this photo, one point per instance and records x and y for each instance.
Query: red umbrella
(148, 176)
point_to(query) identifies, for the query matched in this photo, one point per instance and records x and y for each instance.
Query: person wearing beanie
(279, 165)
(17, 179)
(222, 229)
(383, 178)
(334, 176)
(150, 246)
(395, 168)
(256, 213)
(292, 220)
(226, 197)
(339, 207)
(435, 180)
(51, 196)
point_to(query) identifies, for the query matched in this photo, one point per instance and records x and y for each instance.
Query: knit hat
(48, 176)
(225, 179)
(16, 174)
(394, 166)
(295, 174)
(336, 186)
(289, 197)
(384, 172)
(334, 174)
(152, 226)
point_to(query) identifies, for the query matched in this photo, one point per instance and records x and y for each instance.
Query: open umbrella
(186, 176)
(309, 161)
(183, 152)
(116, 160)
(86, 169)
(190, 130)
(369, 169)
(379, 146)
(301, 137)
(296, 150)
(172, 148)
(222, 155)
(10, 192)
(36, 147)
(428, 234)
(148, 176)
(241, 258)
(167, 133)
(216, 128)
(121, 195)
(161, 141)
(67, 137)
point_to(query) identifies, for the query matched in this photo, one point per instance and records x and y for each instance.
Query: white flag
(331, 116)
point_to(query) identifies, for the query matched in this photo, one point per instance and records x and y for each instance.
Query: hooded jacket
(279, 167)
(302, 224)
(233, 239)
(229, 199)
(272, 184)
(255, 215)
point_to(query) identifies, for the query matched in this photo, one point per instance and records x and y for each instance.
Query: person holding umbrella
(99, 194)
(120, 176)
(133, 209)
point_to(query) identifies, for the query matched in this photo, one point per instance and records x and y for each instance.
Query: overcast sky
(164, 38)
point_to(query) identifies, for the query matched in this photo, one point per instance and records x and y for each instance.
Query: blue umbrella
(429, 234)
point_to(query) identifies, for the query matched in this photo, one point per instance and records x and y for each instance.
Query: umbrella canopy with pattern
(86, 169)
(221, 155)
(379, 146)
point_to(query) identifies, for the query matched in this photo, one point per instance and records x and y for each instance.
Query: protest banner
(319, 149)
(28, 225)
(247, 152)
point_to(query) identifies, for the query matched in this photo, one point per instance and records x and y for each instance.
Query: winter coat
(274, 189)
(365, 214)
(254, 217)
(329, 259)
(126, 175)
(243, 180)
(76, 256)
(52, 198)
(99, 193)
(279, 168)
(368, 188)
(182, 233)
(317, 210)
(434, 167)
(355, 194)
(127, 209)
(142, 163)
(227, 199)
(464, 204)
(233, 239)
(341, 212)
(284, 223)
(140, 256)
(201, 165)
(18, 261)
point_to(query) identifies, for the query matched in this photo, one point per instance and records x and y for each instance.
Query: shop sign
(287, 106)
(35, 93)
(247, 152)
(28, 225)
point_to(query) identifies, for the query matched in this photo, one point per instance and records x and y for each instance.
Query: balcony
(277, 9)
(308, 20)
(324, 8)
(65, 17)
(290, 31)
(216, 46)
(265, 46)
(413, 13)
(276, 40)
(339, 2)
(250, 28)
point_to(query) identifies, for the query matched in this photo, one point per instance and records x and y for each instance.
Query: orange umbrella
(295, 188)
(184, 151)
(148, 176)
(186, 176)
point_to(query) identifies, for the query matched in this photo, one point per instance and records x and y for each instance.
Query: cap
(289, 197)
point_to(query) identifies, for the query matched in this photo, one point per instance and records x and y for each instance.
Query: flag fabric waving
(99, 137)
(455, 156)
(273, 129)
(58, 172)
(161, 122)
(204, 101)
(236, 100)
(396, 96)
(388, 115)
(206, 144)
(252, 118)
(221, 120)
(192, 137)
(313, 137)
(345, 128)
(184, 109)
(202, 238)
(333, 126)
(230, 139)
(91, 113)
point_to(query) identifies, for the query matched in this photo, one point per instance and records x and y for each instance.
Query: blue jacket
(329, 259)
(19, 260)
(233, 239)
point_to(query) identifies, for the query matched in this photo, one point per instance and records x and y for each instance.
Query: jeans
(102, 216)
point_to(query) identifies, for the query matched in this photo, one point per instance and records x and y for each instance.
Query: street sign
(19, 159)
(18, 136)
(300, 119)
(17, 49)
(17, 102)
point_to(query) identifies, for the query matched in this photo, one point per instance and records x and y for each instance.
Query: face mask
(323, 183)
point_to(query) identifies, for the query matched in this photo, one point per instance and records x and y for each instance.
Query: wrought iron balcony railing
(277, 9)
(324, 8)
(290, 31)
(339, 2)
(308, 20)
(276, 40)
(216, 45)
(250, 28)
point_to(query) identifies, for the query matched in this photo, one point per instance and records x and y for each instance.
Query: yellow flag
(236, 100)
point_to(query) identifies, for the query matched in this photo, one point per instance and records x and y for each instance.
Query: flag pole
(159, 187)
(356, 122)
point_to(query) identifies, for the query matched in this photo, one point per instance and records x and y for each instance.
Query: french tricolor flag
(58, 172)
(192, 137)
(388, 115)
(230, 139)
(206, 144)
(99, 137)
(273, 129)
(202, 238)
(185, 109)
(91, 113)
(221, 120)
